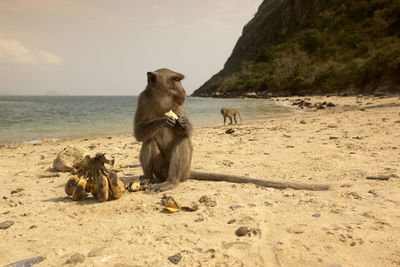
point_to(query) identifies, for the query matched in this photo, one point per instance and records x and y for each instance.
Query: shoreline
(82, 137)
(356, 223)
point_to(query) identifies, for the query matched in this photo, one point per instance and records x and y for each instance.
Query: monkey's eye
(177, 79)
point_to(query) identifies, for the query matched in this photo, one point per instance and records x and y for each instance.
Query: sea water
(36, 118)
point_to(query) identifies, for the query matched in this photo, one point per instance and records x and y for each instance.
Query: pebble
(175, 259)
(297, 229)
(207, 201)
(354, 195)
(76, 258)
(347, 185)
(6, 224)
(96, 252)
(234, 207)
(199, 220)
(380, 177)
(231, 221)
(316, 215)
(17, 191)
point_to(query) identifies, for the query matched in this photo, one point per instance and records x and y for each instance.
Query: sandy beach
(355, 223)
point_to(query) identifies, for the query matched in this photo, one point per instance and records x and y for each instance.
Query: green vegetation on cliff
(295, 47)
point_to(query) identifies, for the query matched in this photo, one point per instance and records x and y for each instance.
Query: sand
(356, 223)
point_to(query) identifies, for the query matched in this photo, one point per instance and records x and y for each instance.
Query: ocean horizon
(35, 118)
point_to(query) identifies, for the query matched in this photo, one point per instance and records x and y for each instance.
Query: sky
(102, 47)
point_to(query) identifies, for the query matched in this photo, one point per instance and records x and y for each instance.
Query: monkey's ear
(151, 77)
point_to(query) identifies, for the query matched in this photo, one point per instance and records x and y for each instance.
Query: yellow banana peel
(172, 205)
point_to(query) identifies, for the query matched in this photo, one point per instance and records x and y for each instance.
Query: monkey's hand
(183, 126)
(182, 122)
(168, 122)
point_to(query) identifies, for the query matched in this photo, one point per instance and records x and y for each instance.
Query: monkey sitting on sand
(166, 152)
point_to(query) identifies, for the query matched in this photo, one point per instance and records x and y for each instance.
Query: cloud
(13, 52)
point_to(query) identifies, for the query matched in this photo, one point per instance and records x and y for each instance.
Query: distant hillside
(299, 47)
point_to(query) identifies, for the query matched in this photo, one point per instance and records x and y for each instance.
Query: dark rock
(330, 104)
(242, 231)
(175, 259)
(303, 122)
(230, 131)
(307, 104)
(316, 215)
(27, 262)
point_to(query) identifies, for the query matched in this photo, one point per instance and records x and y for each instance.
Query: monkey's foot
(161, 187)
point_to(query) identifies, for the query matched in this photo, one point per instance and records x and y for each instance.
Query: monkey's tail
(201, 176)
(240, 117)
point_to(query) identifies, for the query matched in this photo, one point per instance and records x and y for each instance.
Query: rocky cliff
(299, 47)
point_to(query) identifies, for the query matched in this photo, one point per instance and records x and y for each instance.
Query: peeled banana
(171, 114)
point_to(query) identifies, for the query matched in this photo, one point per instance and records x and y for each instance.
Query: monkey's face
(167, 86)
(177, 90)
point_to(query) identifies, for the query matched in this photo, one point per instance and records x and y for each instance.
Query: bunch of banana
(102, 188)
(96, 179)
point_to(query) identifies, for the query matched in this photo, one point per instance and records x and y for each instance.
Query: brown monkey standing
(166, 152)
(230, 112)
